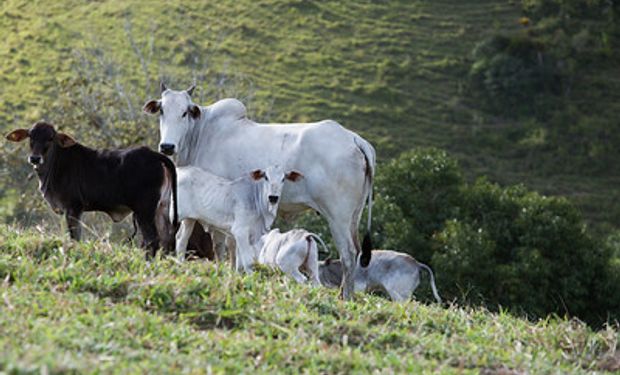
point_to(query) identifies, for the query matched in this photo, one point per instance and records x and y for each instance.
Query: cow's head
(42, 136)
(177, 114)
(273, 177)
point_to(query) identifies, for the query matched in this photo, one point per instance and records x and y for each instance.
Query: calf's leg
(73, 217)
(291, 258)
(182, 237)
(150, 240)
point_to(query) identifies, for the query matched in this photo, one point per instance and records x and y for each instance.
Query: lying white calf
(245, 207)
(397, 274)
(291, 251)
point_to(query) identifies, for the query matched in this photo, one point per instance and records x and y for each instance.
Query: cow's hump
(229, 108)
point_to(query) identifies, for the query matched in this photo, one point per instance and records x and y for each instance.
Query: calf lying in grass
(291, 251)
(397, 274)
(245, 207)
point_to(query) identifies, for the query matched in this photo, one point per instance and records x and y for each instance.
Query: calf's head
(177, 114)
(273, 179)
(42, 137)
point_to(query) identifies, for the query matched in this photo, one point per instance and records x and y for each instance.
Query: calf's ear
(17, 135)
(257, 174)
(194, 111)
(152, 107)
(294, 176)
(64, 140)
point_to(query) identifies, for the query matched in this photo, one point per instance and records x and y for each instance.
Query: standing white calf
(291, 251)
(397, 274)
(245, 207)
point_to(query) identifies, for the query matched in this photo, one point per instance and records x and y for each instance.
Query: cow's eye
(266, 178)
(161, 111)
(184, 114)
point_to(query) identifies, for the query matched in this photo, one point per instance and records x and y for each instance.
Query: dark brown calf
(74, 179)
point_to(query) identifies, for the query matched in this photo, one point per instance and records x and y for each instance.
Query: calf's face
(176, 113)
(273, 179)
(42, 136)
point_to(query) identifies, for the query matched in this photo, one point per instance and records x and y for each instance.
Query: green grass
(96, 307)
(393, 71)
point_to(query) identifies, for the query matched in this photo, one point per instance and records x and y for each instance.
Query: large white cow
(337, 163)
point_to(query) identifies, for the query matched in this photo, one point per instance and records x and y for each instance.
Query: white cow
(338, 164)
(245, 207)
(395, 273)
(291, 251)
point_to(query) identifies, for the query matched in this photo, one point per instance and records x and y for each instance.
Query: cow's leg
(182, 237)
(346, 248)
(146, 223)
(73, 217)
(230, 247)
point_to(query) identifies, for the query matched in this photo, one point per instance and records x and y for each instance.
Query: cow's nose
(273, 199)
(34, 159)
(166, 148)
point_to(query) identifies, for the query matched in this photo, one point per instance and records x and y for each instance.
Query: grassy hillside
(100, 307)
(394, 71)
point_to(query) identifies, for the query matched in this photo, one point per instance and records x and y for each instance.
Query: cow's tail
(430, 272)
(319, 240)
(370, 157)
(173, 173)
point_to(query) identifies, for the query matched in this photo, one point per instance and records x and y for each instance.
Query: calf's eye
(184, 114)
(161, 111)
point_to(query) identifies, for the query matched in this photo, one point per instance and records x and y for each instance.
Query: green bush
(523, 251)
(415, 194)
(515, 75)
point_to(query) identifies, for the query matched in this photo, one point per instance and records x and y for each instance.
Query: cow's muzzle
(273, 199)
(35, 159)
(166, 148)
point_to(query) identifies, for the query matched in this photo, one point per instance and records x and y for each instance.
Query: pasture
(99, 307)
(496, 136)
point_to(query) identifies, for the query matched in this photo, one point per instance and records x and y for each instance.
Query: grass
(99, 307)
(393, 71)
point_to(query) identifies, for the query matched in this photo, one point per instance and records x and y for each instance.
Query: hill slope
(394, 71)
(91, 306)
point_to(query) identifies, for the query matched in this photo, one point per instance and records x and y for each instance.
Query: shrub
(415, 194)
(515, 75)
(523, 251)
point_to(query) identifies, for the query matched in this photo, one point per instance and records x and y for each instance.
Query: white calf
(397, 274)
(291, 251)
(245, 207)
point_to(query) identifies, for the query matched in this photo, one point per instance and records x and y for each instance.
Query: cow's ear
(194, 111)
(257, 174)
(294, 176)
(64, 140)
(152, 107)
(17, 135)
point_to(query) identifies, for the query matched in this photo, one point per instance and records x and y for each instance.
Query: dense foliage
(498, 246)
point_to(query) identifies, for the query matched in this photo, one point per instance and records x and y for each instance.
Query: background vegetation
(495, 123)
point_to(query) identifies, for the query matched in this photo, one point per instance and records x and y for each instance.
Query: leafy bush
(523, 251)
(416, 193)
(515, 75)
(494, 245)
